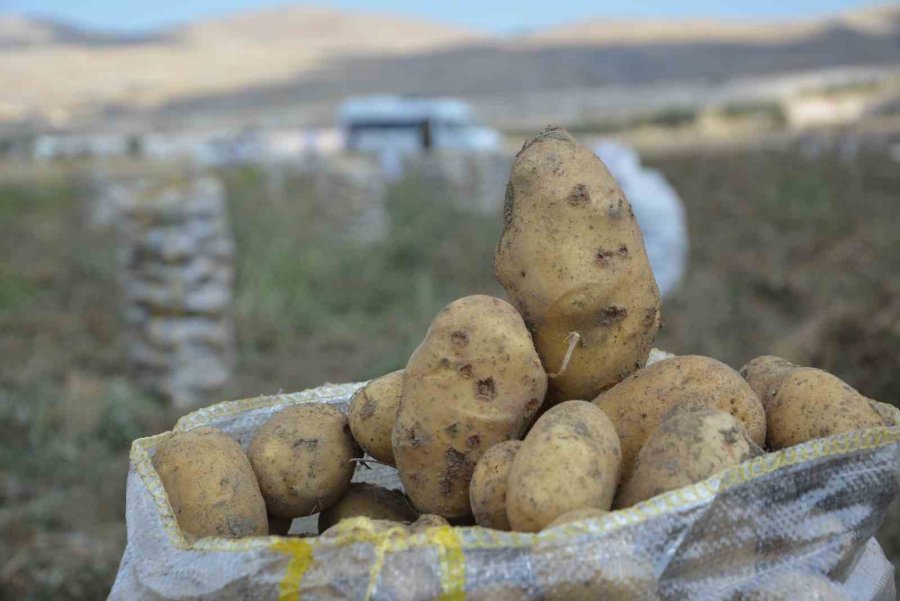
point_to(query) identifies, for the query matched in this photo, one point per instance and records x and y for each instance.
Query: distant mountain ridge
(287, 60)
(883, 20)
(18, 31)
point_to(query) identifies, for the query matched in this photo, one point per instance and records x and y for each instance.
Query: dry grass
(788, 256)
(794, 257)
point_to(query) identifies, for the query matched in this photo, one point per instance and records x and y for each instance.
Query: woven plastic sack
(782, 520)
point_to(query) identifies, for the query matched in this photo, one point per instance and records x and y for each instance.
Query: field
(792, 256)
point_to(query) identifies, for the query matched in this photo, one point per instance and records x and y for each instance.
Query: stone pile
(176, 260)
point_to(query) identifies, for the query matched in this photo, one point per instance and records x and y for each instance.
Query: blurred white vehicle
(394, 126)
(658, 210)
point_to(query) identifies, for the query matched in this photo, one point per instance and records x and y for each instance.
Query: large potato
(475, 381)
(811, 403)
(371, 501)
(572, 258)
(210, 485)
(301, 458)
(569, 460)
(687, 447)
(487, 490)
(576, 515)
(765, 374)
(373, 411)
(640, 402)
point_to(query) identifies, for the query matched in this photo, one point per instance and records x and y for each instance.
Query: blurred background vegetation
(789, 255)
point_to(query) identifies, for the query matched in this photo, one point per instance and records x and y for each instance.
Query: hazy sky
(499, 15)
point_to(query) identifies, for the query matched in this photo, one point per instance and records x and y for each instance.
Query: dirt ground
(792, 256)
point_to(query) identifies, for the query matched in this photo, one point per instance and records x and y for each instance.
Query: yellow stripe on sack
(453, 562)
(300, 553)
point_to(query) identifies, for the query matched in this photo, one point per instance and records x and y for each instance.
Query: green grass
(785, 254)
(675, 117)
(773, 111)
(669, 118)
(15, 292)
(839, 89)
(300, 287)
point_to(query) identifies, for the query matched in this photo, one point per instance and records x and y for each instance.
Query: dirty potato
(572, 258)
(639, 403)
(373, 411)
(426, 521)
(811, 403)
(569, 460)
(371, 501)
(302, 459)
(475, 381)
(576, 515)
(210, 485)
(765, 374)
(487, 490)
(687, 447)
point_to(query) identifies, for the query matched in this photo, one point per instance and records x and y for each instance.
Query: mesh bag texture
(795, 524)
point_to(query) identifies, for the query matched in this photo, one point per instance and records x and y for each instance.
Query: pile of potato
(519, 416)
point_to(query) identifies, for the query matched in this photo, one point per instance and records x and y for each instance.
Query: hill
(292, 65)
(210, 57)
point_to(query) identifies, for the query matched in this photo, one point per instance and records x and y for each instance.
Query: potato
(687, 447)
(576, 515)
(890, 415)
(765, 374)
(792, 585)
(210, 485)
(487, 490)
(428, 520)
(640, 402)
(812, 403)
(475, 381)
(569, 460)
(373, 411)
(301, 458)
(572, 258)
(371, 501)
